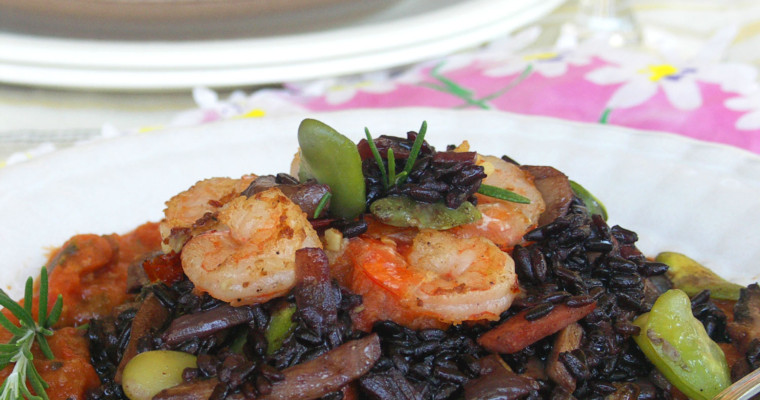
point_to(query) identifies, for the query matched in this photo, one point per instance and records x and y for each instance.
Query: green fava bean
(593, 205)
(150, 372)
(678, 345)
(692, 277)
(403, 211)
(280, 327)
(334, 160)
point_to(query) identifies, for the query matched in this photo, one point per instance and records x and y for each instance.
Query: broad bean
(677, 344)
(153, 371)
(332, 159)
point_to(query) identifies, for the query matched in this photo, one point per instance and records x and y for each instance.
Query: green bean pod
(332, 159)
(404, 211)
(678, 345)
(593, 205)
(280, 327)
(692, 277)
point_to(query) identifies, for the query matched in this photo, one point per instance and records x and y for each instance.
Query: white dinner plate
(678, 194)
(267, 50)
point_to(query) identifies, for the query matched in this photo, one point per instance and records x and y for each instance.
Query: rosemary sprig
(390, 178)
(19, 349)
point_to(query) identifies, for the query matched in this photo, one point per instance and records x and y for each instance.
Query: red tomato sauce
(90, 272)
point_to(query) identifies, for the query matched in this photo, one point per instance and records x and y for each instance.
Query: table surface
(695, 79)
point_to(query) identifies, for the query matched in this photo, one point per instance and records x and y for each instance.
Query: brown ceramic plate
(176, 19)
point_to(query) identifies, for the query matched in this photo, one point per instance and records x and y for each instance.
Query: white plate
(404, 31)
(678, 194)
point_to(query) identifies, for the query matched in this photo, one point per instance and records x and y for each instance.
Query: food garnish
(593, 204)
(322, 204)
(150, 372)
(502, 194)
(390, 178)
(402, 211)
(420, 188)
(332, 159)
(692, 277)
(19, 349)
(678, 345)
(280, 326)
(281, 288)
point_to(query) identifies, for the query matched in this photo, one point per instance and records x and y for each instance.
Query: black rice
(451, 177)
(575, 260)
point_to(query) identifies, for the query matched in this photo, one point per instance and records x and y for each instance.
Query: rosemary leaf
(502, 194)
(45, 347)
(24, 317)
(29, 295)
(42, 309)
(322, 203)
(7, 347)
(13, 329)
(55, 313)
(35, 380)
(415, 150)
(378, 159)
(391, 168)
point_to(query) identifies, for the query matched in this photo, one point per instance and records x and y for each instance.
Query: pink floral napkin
(703, 96)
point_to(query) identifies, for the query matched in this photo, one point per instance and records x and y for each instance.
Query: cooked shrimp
(503, 222)
(184, 210)
(250, 255)
(435, 280)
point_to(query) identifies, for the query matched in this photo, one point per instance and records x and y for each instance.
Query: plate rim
(170, 65)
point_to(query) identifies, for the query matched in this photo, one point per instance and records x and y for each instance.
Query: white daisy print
(549, 63)
(495, 53)
(751, 120)
(342, 90)
(643, 75)
(262, 102)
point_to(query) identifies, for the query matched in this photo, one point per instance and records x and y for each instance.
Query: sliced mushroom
(206, 323)
(306, 195)
(328, 372)
(746, 324)
(568, 339)
(309, 380)
(316, 299)
(500, 384)
(555, 190)
(151, 316)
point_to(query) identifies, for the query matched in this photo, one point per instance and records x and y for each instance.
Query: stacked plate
(176, 44)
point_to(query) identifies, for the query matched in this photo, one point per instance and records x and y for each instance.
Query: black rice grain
(539, 311)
